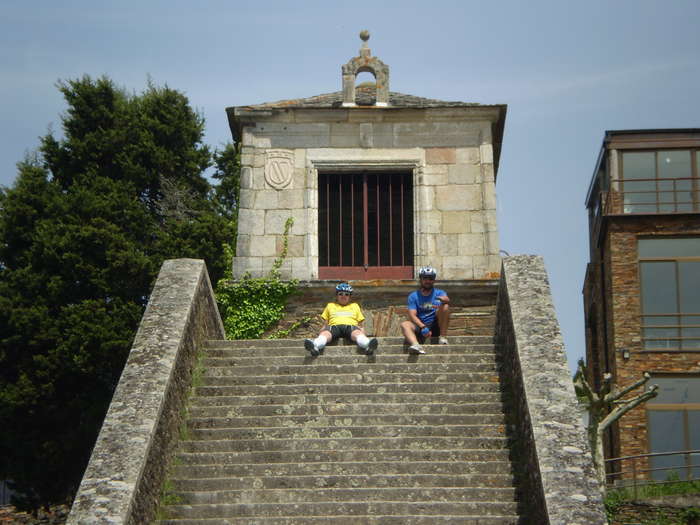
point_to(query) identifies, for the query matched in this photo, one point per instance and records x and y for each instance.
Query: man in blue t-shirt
(428, 312)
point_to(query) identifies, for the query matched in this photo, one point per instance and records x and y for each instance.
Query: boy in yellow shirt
(343, 319)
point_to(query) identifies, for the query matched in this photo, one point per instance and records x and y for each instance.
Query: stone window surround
(356, 162)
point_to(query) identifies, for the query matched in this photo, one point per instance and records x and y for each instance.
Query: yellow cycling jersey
(350, 314)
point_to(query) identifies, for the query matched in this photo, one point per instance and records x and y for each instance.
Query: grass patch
(617, 497)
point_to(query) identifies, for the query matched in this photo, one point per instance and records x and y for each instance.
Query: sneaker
(373, 343)
(311, 347)
(416, 349)
(443, 341)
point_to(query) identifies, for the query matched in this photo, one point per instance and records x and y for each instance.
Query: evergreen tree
(83, 232)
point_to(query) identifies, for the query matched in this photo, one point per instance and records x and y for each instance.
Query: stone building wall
(449, 151)
(624, 318)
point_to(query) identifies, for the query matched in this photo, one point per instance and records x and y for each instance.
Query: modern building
(378, 183)
(642, 288)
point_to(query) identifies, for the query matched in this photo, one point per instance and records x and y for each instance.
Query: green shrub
(250, 306)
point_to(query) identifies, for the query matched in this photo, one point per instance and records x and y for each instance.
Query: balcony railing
(659, 468)
(673, 331)
(659, 195)
(645, 197)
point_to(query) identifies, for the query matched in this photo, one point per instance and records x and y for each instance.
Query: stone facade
(451, 150)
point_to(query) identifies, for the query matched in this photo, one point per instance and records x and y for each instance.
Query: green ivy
(250, 306)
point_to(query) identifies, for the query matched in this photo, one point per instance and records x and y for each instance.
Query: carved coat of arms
(279, 167)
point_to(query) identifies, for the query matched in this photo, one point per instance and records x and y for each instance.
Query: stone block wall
(449, 152)
(123, 479)
(549, 446)
(383, 303)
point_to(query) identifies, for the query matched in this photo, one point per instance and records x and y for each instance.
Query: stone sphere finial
(364, 35)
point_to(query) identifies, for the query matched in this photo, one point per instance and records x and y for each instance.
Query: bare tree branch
(615, 394)
(621, 410)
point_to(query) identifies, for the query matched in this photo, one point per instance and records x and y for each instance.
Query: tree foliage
(83, 232)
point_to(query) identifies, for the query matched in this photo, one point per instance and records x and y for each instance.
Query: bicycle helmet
(427, 271)
(343, 287)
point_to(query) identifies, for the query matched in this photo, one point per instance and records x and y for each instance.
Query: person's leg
(409, 333)
(443, 319)
(365, 343)
(316, 346)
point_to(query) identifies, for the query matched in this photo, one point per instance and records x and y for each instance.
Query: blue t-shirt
(425, 305)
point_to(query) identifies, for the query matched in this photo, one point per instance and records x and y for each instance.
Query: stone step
(303, 359)
(474, 480)
(376, 519)
(311, 422)
(324, 495)
(397, 508)
(294, 400)
(327, 367)
(340, 468)
(346, 408)
(347, 432)
(334, 389)
(349, 378)
(346, 351)
(296, 343)
(274, 436)
(338, 456)
(383, 443)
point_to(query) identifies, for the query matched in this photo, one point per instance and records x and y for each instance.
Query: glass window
(676, 390)
(639, 165)
(669, 247)
(673, 425)
(665, 435)
(669, 299)
(639, 174)
(694, 440)
(674, 164)
(658, 181)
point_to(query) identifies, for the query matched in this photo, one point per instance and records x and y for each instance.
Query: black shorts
(342, 330)
(434, 328)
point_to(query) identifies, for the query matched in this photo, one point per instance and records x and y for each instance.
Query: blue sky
(567, 70)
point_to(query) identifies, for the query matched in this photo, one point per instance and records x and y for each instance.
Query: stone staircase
(276, 437)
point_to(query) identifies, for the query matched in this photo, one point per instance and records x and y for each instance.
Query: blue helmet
(343, 287)
(427, 271)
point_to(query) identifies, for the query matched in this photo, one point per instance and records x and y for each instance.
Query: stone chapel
(378, 183)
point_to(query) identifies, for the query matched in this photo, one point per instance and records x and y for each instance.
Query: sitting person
(428, 313)
(343, 319)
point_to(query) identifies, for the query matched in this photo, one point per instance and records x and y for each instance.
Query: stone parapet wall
(553, 463)
(123, 479)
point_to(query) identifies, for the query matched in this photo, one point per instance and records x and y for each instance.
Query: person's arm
(413, 311)
(413, 316)
(443, 298)
(326, 317)
(359, 316)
